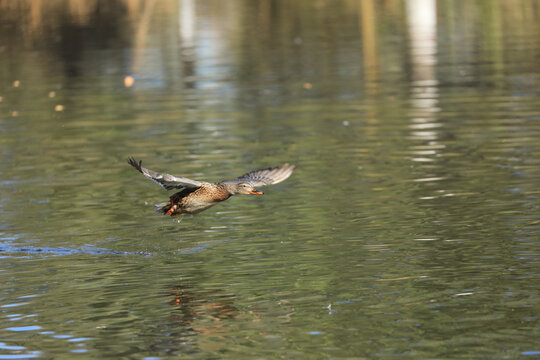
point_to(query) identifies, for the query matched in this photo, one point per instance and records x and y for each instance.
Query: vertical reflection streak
(422, 17)
(369, 44)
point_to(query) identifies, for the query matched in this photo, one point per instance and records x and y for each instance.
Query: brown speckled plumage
(196, 196)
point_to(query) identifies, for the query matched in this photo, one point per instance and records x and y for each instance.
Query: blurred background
(409, 228)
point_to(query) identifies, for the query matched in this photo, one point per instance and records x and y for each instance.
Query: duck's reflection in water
(203, 310)
(198, 321)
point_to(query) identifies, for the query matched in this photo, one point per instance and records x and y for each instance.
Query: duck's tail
(163, 207)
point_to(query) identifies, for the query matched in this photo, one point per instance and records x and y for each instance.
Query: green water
(409, 229)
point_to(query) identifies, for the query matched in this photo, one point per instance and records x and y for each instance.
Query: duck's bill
(256, 192)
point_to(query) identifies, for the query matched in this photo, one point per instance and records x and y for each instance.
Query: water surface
(409, 229)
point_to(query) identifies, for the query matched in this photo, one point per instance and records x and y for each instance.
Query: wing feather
(167, 181)
(267, 176)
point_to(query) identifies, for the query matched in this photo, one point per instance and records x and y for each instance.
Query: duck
(196, 196)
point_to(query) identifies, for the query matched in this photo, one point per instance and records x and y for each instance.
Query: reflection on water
(408, 230)
(195, 315)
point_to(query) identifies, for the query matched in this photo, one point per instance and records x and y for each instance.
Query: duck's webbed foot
(171, 209)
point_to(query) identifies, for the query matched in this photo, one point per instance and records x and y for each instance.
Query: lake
(409, 229)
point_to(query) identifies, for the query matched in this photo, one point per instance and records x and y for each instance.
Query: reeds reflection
(197, 35)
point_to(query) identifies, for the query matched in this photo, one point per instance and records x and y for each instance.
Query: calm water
(410, 228)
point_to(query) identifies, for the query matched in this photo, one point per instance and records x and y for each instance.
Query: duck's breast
(204, 197)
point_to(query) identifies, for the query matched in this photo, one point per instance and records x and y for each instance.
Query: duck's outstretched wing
(167, 181)
(267, 176)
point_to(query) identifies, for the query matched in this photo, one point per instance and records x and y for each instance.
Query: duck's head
(242, 188)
